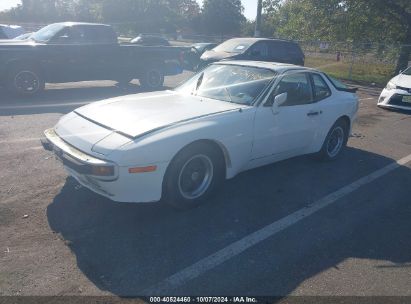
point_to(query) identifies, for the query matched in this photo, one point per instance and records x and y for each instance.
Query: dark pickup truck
(69, 52)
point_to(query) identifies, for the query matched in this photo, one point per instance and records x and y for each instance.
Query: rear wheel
(152, 79)
(193, 175)
(336, 141)
(25, 81)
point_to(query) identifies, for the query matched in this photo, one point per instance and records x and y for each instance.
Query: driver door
(64, 59)
(287, 130)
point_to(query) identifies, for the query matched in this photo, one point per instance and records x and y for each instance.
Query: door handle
(314, 113)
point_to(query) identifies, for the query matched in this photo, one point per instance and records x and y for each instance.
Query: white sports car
(180, 145)
(397, 93)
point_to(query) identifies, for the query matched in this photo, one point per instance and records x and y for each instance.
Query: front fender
(232, 131)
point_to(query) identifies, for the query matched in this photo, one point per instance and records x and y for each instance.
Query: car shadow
(64, 98)
(399, 111)
(125, 248)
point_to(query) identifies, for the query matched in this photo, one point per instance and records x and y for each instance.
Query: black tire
(152, 78)
(24, 80)
(187, 184)
(335, 142)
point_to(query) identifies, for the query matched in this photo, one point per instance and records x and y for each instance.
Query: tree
(397, 13)
(359, 22)
(223, 17)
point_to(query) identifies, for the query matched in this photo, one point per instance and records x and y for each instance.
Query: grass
(367, 73)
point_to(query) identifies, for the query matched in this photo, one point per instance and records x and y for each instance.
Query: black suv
(257, 49)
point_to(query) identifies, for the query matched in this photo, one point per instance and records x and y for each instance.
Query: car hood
(402, 80)
(139, 114)
(212, 55)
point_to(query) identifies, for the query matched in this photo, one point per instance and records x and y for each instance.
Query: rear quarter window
(97, 34)
(320, 87)
(294, 49)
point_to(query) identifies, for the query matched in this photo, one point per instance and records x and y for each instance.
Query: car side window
(67, 35)
(95, 35)
(278, 50)
(298, 88)
(320, 87)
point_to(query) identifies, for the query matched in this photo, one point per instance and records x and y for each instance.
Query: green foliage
(136, 15)
(223, 17)
(358, 22)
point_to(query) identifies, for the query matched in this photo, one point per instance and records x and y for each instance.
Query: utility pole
(257, 31)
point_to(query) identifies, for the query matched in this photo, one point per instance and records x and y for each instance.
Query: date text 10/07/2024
(202, 300)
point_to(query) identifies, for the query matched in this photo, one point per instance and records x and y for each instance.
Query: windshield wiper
(199, 81)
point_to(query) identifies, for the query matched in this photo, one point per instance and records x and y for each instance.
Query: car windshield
(233, 46)
(46, 33)
(407, 72)
(231, 83)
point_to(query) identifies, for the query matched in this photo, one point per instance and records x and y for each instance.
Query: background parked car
(23, 36)
(256, 49)
(149, 40)
(192, 56)
(10, 31)
(200, 48)
(75, 51)
(397, 93)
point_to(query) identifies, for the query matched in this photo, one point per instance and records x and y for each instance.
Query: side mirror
(278, 101)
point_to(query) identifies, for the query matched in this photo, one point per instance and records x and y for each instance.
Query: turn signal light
(142, 169)
(102, 170)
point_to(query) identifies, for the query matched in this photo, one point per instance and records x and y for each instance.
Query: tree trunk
(402, 62)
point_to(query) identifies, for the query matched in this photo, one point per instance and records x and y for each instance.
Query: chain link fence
(366, 62)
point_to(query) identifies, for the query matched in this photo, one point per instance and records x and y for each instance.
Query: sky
(250, 6)
(6, 4)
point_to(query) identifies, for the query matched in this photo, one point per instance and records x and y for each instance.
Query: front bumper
(122, 187)
(395, 98)
(75, 159)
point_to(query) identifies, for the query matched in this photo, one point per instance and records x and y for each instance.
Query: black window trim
(313, 86)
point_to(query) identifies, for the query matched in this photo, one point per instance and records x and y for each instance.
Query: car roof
(82, 23)
(274, 66)
(11, 26)
(254, 39)
(204, 43)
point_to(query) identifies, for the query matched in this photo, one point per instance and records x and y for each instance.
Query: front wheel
(193, 175)
(152, 79)
(25, 81)
(335, 142)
